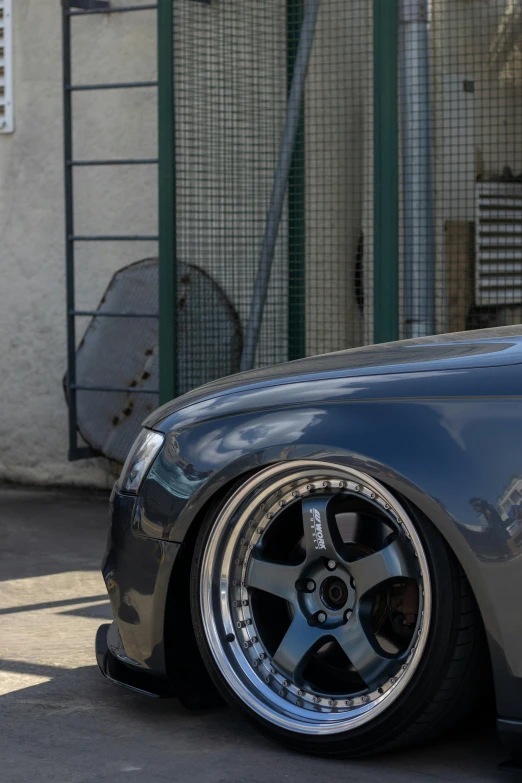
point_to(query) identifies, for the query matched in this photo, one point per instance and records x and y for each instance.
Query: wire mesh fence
(460, 73)
(345, 172)
(476, 54)
(459, 188)
(234, 67)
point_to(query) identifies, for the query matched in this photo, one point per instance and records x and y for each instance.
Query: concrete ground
(60, 720)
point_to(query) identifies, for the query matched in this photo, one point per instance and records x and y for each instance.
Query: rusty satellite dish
(123, 353)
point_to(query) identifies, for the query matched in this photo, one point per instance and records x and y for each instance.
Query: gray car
(333, 546)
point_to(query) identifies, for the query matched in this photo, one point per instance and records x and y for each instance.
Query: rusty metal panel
(121, 352)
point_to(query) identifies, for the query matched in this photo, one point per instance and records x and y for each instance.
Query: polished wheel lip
(285, 706)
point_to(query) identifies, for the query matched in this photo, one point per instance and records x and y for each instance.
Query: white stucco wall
(230, 55)
(33, 420)
(220, 120)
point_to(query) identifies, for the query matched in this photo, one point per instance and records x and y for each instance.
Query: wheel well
(184, 665)
(421, 518)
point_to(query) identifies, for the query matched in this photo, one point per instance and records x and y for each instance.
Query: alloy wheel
(315, 596)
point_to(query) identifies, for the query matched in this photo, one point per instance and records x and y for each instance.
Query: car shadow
(77, 720)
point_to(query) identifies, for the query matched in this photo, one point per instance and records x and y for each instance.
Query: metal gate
(267, 180)
(99, 399)
(377, 199)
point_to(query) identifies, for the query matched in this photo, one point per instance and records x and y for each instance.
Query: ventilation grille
(6, 68)
(498, 243)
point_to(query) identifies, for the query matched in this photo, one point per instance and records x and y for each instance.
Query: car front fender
(448, 457)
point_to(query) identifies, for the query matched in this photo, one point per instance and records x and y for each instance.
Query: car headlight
(144, 451)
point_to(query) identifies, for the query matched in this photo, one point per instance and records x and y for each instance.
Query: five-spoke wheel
(314, 600)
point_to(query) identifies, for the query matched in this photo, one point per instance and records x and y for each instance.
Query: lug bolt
(341, 484)
(254, 640)
(300, 693)
(246, 645)
(267, 679)
(332, 703)
(240, 624)
(321, 617)
(245, 603)
(281, 692)
(310, 486)
(310, 586)
(331, 565)
(248, 621)
(316, 699)
(262, 656)
(326, 483)
(286, 683)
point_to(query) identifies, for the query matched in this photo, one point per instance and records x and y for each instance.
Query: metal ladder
(75, 9)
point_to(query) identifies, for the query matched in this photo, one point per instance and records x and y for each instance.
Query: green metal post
(386, 171)
(296, 202)
(168, 348)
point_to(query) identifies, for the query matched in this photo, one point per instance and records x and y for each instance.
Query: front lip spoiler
(510, 732)
(124, 675)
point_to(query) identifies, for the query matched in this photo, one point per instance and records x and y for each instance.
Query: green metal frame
(296, 203)
(386, 171)
(168, 343)
(386, 191)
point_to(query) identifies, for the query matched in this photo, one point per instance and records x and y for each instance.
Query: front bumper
(137, 573)
(119, 673)
(510, 732)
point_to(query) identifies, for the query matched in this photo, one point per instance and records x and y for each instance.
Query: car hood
(461, 350)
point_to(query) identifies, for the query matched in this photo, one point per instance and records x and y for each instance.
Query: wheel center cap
(334, 592)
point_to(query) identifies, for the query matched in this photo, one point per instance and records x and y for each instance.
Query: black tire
(446, 684)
